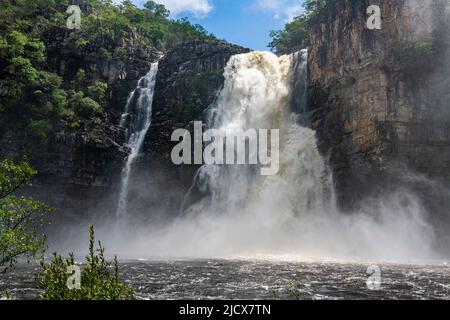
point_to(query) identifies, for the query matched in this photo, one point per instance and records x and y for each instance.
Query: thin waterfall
(299, 98)
(137, 119)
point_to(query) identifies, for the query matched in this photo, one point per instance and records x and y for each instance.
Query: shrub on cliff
(28, 94)
(99, 278)
(20, 217)
(295, 35)
(415, 59)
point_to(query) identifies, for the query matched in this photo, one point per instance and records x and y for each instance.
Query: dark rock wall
(371, 102)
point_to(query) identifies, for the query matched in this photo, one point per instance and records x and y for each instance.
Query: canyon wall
(377, 98)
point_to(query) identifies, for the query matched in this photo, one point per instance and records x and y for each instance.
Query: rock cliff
(375, 96)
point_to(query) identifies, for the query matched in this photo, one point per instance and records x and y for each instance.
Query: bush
(20, 217)
(98, 91)
(99, 278)
(39, 129)
(412, 58)
(295, 35)
(84, 107)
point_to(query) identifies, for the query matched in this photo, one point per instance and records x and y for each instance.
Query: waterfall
(299, 99)
(290, 214)
(257, 94)
(137, 120)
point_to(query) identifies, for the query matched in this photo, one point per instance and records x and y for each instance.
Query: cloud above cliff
(197, 8)
(285, 10)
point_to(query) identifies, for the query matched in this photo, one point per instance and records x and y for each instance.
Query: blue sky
(244, 22)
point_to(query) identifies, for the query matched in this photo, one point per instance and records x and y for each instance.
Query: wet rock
(373, 99)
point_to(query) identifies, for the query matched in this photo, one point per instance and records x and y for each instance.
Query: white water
(137, 120)
(291, 214)
(256, 95)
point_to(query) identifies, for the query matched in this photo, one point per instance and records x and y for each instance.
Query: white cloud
(196, 7)
(281, 9)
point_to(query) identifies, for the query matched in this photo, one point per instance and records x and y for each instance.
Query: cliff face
(88, 157)
(376, 96)
(79, 167)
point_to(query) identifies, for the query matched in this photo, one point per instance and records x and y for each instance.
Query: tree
(295, 35)
(314, 7)
(99, 278)
(20, 217)
(158, 10)
(32, 99)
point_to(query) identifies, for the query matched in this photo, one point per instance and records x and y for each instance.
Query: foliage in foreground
(99, 277)
(20, 217)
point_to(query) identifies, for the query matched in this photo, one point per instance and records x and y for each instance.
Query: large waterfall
(256, 95)
(291, 214)
(137, 120)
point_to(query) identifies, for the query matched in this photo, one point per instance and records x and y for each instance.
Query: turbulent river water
(261, 279)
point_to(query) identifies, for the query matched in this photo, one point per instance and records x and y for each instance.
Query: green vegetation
(413, 58)
(38, 100)
(419, 54)
(99, 278)
(20, 217)
(291, 292)
(295, 34)
(193, 103)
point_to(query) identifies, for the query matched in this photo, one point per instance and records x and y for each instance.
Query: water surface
(245, 279)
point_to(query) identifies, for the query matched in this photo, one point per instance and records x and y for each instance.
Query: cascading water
(256, 95)
(137, 120)
(291, 213)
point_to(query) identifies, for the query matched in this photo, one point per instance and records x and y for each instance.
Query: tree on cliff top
(20, 217)
(295, 35)
(157, 9)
